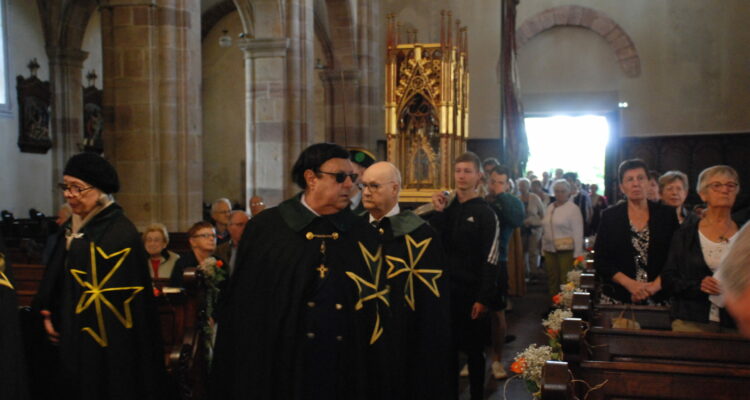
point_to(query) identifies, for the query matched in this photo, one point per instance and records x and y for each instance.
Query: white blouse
(563, 221)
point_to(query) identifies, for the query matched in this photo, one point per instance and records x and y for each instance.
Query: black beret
(361, 157)
(94, 170)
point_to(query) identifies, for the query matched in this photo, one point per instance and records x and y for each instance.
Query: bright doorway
(573, 143)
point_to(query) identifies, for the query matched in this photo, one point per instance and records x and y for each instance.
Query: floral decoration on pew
(552, 326)
(528, 365)
(564, 299)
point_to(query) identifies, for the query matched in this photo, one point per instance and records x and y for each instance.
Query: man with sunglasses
(420, 324)
(305, 312)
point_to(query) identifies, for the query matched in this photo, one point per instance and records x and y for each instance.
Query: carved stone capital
(264, 47)
(66, 56)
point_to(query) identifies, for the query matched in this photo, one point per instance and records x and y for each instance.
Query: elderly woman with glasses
(698, 248)
(95, 297)
(202, 238)
(632, 242)
(161, 261)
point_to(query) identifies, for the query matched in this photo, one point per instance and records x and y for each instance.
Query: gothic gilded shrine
(426, 106)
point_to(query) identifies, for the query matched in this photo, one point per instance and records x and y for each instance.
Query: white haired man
(735, 279)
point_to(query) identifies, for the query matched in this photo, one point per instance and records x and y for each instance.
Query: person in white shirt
(563, 236)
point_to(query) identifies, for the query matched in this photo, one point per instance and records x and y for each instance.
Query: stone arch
(64, 23)
(584, 17)
(342, 33)
(214, 14)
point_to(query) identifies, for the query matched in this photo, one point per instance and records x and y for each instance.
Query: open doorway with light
(574, 143)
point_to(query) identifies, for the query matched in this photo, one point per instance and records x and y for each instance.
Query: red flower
(219, 264)
(551, 332)
(556, 299)
(518, 366)
(580, 259)
(157, 292)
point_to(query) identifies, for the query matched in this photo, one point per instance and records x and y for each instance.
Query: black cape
(13, 384)
(292, 329)
(419, 328)
(110, 344)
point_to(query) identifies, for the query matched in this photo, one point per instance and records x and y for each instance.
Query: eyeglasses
(374, 187)
(205, 236)
(341, 176)
(716, 186)
(74, 190)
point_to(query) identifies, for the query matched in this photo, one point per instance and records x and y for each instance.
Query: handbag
(563, 243)
(622, 322)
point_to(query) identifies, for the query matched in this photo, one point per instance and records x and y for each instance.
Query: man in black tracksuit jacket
(470, 233)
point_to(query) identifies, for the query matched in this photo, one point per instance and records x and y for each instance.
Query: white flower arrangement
(574, 277)
(529, 363)
(555, 318)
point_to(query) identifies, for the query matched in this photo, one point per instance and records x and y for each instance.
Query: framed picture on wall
(33, 113)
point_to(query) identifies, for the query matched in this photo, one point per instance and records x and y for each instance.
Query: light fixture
(225, 40)
(622, 104)
(319, 64)
(91, 78)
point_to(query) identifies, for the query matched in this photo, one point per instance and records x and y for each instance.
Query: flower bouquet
(214, 274)
(528, 365)
(552, 326)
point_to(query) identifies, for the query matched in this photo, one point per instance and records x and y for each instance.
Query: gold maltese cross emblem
(398, 266)
(371, 290)
(4, 281)
(96, 294)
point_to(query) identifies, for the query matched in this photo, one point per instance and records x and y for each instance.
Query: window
(573, 143)
(4, 81)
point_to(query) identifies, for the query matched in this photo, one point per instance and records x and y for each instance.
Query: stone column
(265, 116)
(67, 108)
(371, 59)
(152, 75)
(345, 108)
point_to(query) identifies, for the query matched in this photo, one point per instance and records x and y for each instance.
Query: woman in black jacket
(633, 241)
(697, 250)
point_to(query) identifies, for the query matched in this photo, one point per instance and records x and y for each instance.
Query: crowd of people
(337, 292)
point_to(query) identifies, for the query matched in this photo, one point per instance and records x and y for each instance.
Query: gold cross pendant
(322, 270)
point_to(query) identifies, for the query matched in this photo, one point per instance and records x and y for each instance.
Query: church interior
(196, 100)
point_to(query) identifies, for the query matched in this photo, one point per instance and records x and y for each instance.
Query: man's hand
(477, 310)
(52, 334)
(439, 201)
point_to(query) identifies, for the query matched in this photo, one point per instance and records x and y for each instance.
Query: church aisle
(525, 322)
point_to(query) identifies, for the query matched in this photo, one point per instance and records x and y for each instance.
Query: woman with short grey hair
(562, 238)
(673, 190)
(697, 250)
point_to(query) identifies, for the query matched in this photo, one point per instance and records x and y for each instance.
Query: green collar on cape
(297, 216)
(405, 222)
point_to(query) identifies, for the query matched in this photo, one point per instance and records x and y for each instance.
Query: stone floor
(524, 321)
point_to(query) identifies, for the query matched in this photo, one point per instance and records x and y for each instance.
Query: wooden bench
(689, 348)
(649, 317)
(634, 380)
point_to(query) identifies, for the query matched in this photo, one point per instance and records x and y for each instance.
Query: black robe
(297, 323)
(419, 328)
(13, 385)
(100, 297)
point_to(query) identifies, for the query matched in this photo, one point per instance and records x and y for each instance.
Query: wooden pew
(27, 278)
(633, 380)
(688, 348)
(649, 317)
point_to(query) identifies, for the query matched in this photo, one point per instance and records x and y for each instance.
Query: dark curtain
(513, 130)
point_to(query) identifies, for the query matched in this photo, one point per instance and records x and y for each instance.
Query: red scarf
(155, 266)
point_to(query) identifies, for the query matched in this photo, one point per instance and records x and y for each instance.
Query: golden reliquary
(426, 107)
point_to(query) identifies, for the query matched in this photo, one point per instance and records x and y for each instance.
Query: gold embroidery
(411, 269)
(311, 236)
(371, 290)
(95, 294)
(4, 281)
(322, 270)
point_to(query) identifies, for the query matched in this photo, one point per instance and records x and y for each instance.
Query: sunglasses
(341, 176)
